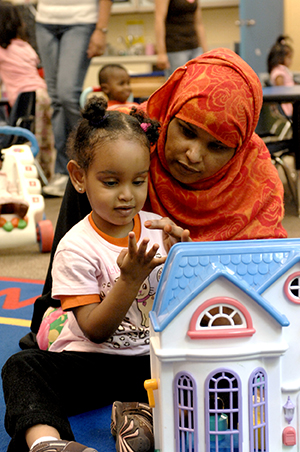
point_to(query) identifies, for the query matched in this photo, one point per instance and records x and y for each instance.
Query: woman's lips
(188, 169)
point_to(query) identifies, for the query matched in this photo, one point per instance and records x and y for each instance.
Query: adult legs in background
(177, 59)
(44, 132)
(65, 62)
(42, 387)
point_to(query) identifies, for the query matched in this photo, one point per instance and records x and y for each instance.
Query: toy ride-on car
(21, 202)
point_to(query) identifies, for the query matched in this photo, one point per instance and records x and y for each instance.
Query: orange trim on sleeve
(119, 241)
(74, 301)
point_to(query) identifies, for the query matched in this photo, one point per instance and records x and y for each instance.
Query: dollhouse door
(261, 22)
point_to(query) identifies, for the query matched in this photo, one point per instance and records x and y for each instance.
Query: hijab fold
(221, 94)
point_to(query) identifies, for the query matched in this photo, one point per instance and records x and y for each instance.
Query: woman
(179, 31)
(214, 99)
(69, 34)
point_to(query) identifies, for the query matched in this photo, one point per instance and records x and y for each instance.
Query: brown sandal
(61, 446)
(132, 427)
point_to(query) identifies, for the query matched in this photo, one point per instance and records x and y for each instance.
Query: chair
(22, 114)
(275, 128)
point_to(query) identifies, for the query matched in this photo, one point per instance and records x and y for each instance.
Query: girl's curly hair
(99, 125)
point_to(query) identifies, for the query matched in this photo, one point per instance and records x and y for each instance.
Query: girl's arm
(199, 26)
(161, 11)
(98, 39)
(279, 80)
(99, 321)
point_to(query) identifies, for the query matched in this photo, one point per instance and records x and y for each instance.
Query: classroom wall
(291, 28)
(219, 25)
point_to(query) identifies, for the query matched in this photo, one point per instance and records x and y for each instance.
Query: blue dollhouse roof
(252, 265)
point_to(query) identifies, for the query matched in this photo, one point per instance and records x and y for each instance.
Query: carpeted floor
(16, 304)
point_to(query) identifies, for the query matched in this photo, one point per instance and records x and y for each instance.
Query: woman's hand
(171, 232)
(97, 44)
(163, 61)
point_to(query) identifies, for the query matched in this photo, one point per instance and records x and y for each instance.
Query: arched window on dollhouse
(292, 287)
(185, 412)
(220, 317)
(258, 411)
(223, 411)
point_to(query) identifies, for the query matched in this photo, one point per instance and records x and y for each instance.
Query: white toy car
(20, 189)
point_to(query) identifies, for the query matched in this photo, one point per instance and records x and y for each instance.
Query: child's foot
(61, 446)
(131, 424)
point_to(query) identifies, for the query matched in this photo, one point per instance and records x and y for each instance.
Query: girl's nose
(126, 194)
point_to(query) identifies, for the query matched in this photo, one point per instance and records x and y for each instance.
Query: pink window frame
(223, 333)
(286, 288)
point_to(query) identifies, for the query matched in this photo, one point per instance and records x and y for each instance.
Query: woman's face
(192, 153)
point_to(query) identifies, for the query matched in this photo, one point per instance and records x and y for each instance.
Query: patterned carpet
(16, 305)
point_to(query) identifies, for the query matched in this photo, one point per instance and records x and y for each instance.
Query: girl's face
(288, 59)
(116, 185)
(192, 153)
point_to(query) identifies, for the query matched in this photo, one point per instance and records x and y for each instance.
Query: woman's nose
(195, 153)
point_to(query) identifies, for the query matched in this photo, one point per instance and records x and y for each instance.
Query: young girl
(19, 73)
(279, 61)
(100, 267)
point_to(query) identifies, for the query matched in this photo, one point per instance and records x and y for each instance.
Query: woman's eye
(218, 146)
(189, 133)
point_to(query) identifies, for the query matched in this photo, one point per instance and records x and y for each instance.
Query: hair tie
(145, 126)
(97, 122)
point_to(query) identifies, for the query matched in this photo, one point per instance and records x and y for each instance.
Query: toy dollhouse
(225, 348)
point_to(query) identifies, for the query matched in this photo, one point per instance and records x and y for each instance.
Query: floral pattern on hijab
(221, 94)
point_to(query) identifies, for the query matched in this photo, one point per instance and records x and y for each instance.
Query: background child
(19, 73)
(99, 269)
(114, 81)
(279, 61)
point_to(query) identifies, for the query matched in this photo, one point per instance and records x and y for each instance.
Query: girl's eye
(110, 183)
(139, 182)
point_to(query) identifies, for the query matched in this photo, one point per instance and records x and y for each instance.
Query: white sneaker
(56, 186)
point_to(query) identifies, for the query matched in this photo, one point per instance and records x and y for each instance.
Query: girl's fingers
(132, 248)
(152, 252)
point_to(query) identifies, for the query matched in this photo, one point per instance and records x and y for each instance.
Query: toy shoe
(132, 426)
(61, 446)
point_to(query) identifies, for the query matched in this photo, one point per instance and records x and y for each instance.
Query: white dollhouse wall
(271, 341)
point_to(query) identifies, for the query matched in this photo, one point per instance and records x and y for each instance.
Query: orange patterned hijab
(220, 93)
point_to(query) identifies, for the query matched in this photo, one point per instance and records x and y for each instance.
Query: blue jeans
(177, 59)
(63, 54)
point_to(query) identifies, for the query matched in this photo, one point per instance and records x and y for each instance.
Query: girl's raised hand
(171, 232)
(136, 263)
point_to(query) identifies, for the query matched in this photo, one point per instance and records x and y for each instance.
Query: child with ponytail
(105, 274)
